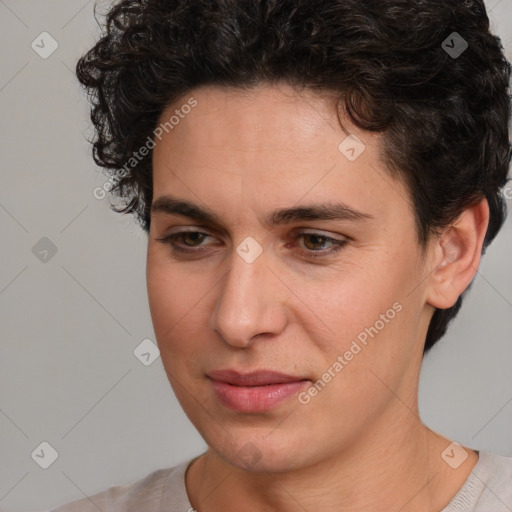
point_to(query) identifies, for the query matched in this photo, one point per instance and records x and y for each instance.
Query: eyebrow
(324, 211)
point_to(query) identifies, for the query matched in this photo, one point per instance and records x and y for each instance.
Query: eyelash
(338, 244)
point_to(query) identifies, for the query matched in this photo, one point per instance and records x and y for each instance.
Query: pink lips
(256, 391)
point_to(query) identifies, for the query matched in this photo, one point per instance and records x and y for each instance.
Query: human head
(444, 119)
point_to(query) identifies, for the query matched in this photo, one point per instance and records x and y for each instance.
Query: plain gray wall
(69, 325)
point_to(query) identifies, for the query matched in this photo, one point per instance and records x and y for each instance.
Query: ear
(456, 255)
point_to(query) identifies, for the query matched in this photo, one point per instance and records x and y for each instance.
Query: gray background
(69, 325)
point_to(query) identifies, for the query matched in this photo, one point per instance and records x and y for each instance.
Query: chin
(257, 453)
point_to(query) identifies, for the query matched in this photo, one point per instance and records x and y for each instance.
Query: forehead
(263, 117)
(269, 145)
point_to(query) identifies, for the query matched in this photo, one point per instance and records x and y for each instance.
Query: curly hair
(444, 118)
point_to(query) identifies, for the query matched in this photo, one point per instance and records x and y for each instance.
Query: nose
(250, 302)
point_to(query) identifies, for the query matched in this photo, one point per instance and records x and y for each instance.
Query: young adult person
(318, 182)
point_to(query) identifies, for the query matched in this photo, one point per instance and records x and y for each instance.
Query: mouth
(252, 379)
(256, 391)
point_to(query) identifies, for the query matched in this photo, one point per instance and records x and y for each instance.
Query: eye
(190, 239)
(194, 236)
(315, 241)
(192, 242)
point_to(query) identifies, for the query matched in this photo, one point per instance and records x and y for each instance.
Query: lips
(257, 378)
(254, 392)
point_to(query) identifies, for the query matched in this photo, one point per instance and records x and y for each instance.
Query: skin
(359, 444)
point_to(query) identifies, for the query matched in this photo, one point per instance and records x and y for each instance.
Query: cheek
(176, 301)
(366, 315)
(379, 325)
(367, 344)
(351, 299)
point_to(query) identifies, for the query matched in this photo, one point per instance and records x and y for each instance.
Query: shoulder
(488, 487)
(499, 477)
(145, 494)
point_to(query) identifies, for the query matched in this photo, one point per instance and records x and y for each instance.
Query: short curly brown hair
(444, 117)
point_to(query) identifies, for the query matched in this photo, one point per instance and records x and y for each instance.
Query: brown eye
(186, 241)
(194, 236)
(315, 244)
(315, 240)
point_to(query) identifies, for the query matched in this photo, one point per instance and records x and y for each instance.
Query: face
(307, 265)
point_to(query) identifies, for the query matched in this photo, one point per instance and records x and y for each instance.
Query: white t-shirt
(487, 489)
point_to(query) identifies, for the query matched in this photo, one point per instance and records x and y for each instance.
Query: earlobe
(456, 256)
